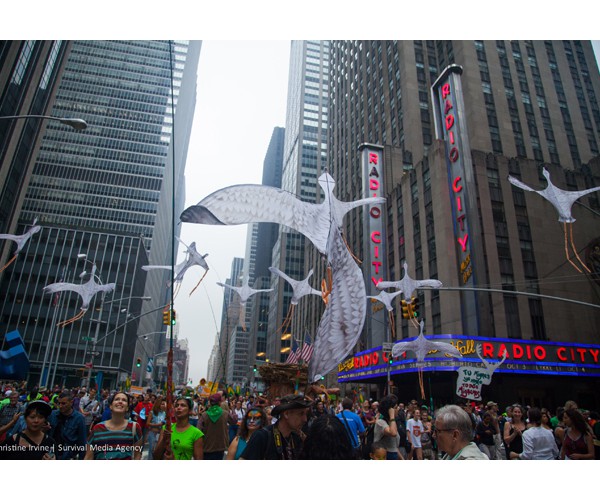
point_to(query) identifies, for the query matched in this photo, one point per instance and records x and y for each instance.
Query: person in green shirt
(183, 441)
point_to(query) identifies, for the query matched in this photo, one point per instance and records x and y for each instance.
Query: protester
(386, 430)
(237, 416)
(414, 429)
(513, 432)
(284, 439)
(117, 438)
(68, 429)
(426, 439)
(484, 436)
(538, 442)
(453, 431)
(32, 443)
(182, 441)
(9, 413)
(214, 424)
(158, 418)
(143, 409)
(89, 407)
(378, 452)
(578, 443)
(353, 425)
(255, 419)
(328, 440)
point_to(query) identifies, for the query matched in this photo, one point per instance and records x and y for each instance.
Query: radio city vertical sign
(374, 255)
(450, 126)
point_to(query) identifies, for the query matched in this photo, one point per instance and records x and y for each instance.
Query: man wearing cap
(282, 440)
(214, 426)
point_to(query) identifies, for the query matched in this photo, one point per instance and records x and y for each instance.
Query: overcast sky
(242, 92)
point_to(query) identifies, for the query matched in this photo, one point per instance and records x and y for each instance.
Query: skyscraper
(106, 194)
(259, 249)
(31, 71)
(304, 159)
(517, 106)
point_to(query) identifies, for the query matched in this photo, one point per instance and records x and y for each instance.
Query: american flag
(307, 349)
(294, 354)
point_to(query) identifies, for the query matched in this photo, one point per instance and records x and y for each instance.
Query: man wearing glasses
(453, 432)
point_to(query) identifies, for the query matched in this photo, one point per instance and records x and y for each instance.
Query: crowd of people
(75, 424)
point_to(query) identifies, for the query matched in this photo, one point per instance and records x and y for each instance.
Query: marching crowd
(76, 424)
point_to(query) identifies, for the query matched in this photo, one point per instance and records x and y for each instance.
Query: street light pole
(96, 339)
(75, 123)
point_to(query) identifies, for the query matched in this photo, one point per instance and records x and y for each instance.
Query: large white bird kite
(21, 240)
(299, 290)
(86, 290)
(386, 299)
(344, 317)
(193, 258)
(245, 292)
(407, 285)
(421, 347)
(563, 202)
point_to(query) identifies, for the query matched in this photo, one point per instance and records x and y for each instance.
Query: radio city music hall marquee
(522, 356)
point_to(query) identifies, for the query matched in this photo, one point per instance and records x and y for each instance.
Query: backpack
(367, 441)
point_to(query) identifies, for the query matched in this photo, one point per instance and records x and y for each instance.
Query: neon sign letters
(375, 189)
(455, 167)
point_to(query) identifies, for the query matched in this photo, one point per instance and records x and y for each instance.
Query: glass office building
(105, 192)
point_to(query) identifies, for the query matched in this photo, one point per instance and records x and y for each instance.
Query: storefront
(505, 370)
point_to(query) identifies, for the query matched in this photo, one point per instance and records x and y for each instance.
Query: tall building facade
(105, 194)
(31, 71)
(259, 249)
(304, 159)
(233, 343)
(518, 106)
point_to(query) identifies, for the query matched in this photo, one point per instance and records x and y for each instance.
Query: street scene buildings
(461, 138)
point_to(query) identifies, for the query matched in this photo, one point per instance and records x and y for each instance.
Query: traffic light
(254, 369)
(173, 317)
(167, 317)
(138, 362)
(415, 308)
(405, 309)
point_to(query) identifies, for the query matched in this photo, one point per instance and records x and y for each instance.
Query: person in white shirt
(414, 429)
(538, 442)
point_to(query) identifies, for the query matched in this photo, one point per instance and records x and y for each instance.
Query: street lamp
(94, 352)
(75, 123)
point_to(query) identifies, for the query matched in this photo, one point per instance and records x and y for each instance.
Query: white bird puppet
(342, 322)
(563, 202)
(193, 258)
(299, 290)
(245, 292)
(421, 347)
(386, 299)
(21, 240)
(407, 285)
(86, 290)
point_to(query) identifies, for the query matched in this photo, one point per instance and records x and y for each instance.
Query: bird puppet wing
(344, 317)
